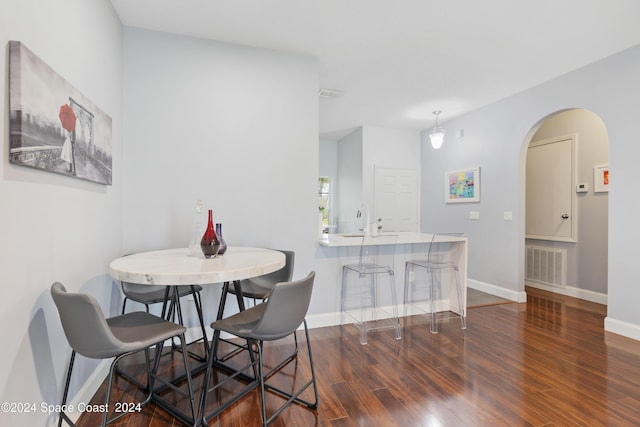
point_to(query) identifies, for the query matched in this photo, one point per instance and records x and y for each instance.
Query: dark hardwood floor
(547, 362)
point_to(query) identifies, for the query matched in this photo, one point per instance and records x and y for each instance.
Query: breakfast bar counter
(408, 246)
(402, 238)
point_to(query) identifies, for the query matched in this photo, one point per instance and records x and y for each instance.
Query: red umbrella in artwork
(67, 117)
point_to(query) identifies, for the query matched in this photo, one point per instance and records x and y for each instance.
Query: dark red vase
(210, 244)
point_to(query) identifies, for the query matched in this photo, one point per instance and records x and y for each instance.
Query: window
(324, 202)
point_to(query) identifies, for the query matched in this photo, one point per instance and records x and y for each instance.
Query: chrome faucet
(365, 220)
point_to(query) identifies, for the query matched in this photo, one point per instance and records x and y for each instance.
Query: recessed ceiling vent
(329, 93)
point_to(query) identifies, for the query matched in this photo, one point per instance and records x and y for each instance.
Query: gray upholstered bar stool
(257, 289)
(429, 290)
(170, 298)
(92, 335)
(154, 294)
(275, 318)
(361, 290)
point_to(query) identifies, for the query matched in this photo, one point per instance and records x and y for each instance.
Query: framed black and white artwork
(52, 126)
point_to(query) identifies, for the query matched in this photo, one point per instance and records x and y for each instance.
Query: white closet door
(396, 199)
(551, 190)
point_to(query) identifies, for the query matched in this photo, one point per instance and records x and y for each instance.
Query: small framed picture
(462, 186)
(601, 179)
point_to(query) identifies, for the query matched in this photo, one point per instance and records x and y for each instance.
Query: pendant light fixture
(437, 135)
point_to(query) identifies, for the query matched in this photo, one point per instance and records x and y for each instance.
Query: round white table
(176, 267)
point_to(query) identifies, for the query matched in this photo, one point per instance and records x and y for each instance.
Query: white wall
(496, 138)
(232, 125)
(329, 167)
(53, 227)
(329, 158)
(349, 180)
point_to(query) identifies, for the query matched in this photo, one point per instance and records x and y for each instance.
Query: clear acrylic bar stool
(361, 294)
(441, 258)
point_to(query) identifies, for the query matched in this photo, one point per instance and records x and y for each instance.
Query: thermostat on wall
(582, 188)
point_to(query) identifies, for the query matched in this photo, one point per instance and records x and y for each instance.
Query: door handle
(565, 216)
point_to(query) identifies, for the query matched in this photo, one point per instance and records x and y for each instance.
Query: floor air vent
(546, 265)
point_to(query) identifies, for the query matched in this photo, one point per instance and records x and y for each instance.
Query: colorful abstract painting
(462, 186)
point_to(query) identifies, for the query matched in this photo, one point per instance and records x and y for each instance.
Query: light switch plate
(474, 215)
(508, 215)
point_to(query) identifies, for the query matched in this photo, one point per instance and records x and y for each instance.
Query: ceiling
(396, 61)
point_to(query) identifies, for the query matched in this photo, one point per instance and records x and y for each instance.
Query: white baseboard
(323, 320)
(570, 291)
(498, 291)
(619, 327)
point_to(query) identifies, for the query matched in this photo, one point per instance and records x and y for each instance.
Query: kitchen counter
(408, 246)
(387, 238)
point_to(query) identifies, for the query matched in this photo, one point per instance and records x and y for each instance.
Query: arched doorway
(582, 259)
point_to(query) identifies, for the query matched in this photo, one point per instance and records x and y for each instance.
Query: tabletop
(175, 267)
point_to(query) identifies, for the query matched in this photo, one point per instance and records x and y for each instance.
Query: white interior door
(396, 199)
(550, 190)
